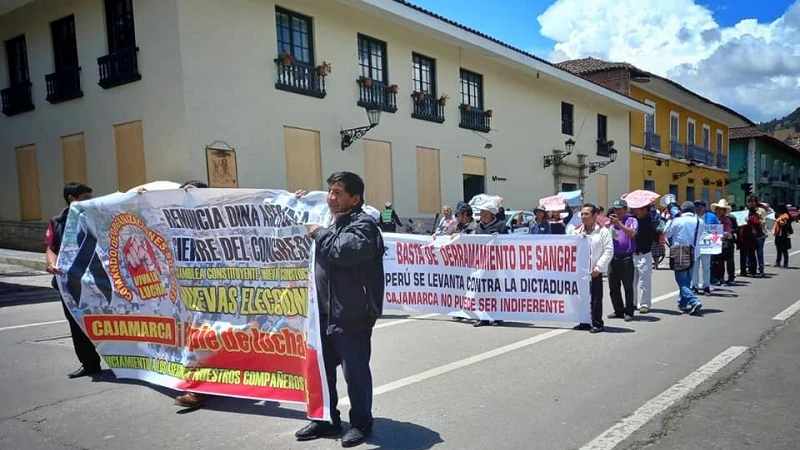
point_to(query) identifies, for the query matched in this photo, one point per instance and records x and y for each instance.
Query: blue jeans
(760, 253)
(705, 260)
(684, 280)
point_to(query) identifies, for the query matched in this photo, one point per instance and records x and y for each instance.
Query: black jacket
(58, 223)
(349, 273)
(498, 226)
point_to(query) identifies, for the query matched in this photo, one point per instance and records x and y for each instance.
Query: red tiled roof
(501, 43)
(745, 133)
(586, 66)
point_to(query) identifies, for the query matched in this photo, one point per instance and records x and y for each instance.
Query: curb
(24, 262)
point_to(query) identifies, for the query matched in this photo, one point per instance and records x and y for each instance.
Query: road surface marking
(455, 365)
(626, 427)
(15, 327)
(401, 321)
(661, 298)
(794, 253)
(788, 312)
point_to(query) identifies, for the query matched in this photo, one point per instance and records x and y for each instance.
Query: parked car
(511, 217)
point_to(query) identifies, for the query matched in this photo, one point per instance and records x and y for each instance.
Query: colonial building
(682, 146)
(763, 165)
(257, 94)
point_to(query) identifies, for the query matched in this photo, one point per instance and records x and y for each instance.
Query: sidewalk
(32, 260)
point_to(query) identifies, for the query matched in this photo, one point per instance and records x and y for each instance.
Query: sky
(744, 54)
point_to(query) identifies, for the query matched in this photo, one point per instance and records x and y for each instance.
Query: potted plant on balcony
(420, 96)
(324, 69)
(286, 58)
(393, 89)
(366, 81)
(466, 107)
(443, 100)
(489, 113)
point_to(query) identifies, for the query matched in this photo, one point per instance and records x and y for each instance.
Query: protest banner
(206, 290)
(510, 277)
(553, 203)
(640, 198)
(711, 240)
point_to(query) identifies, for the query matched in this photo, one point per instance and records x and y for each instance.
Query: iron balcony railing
(119, 67)
(474, 119)
(300, 78)
(677, 149)
(64, 84)
(722, 161)
(652, 142)
(17, 99)
(427, 107)
(376, 94)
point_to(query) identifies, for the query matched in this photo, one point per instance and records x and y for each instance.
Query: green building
(768, 167)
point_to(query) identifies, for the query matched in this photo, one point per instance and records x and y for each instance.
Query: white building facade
(268, 86)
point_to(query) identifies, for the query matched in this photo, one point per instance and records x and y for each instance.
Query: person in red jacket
(748, 241)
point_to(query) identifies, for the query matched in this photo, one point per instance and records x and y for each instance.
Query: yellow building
(682, 147)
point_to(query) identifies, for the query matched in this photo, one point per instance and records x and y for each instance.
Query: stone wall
(26, 236)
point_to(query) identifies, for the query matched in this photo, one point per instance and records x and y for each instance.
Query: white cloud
(752, 67)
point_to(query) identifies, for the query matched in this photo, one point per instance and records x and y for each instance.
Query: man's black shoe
(594, 330)
(582, 327)
(84, 372)
(355, 436)
(615, 316)
(481, 323)
(318, 429)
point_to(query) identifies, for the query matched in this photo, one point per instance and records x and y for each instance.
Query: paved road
(724, 380)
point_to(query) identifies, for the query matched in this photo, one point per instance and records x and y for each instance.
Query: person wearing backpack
(782, 232)
(684, 253)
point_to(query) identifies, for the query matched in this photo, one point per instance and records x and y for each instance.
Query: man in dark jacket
(84, 349)
(350, 288)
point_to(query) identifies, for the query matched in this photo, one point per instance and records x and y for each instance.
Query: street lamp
(559, 156)
(595, 166)
(351, 135)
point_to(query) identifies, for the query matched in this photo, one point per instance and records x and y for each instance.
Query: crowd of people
(626, 245)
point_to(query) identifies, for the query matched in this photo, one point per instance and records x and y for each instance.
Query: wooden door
(473, 165)
(602, 190)
(378, 173)
(73, 155)
(28, 179)
(429, 188)
(303, 159)
(129, 149)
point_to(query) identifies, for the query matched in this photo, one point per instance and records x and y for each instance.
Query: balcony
(64, 84)
(722, 161)
(119, 67)
(300, 78)
(427, 107)
(17, 99)
(697, 154)
(652, 142)
(376, 95)
(677, 149)
(475, 119)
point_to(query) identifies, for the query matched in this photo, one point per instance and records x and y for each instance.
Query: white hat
(493, 206)
(722, 203)
(388, 204)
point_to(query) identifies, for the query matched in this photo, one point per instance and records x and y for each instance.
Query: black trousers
(621, 272)
(351, 350)
(596, 290)
(84, 349)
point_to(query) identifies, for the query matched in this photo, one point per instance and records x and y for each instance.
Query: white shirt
(602, 246)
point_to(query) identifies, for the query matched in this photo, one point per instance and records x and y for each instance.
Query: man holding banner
(350, 289)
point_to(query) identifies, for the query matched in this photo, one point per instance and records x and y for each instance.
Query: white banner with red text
(541, 278)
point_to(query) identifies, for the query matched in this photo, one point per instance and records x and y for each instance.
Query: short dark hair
(194, 183)
(353, 184)
(592, 207)
(752, 198)
(75, 189)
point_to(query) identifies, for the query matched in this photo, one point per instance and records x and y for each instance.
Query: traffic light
(748, 189)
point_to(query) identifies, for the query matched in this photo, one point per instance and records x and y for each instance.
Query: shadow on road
(704, 311)
(669, 312)
(391, 434)
(618, 330)
(12, 294)
(646, 318)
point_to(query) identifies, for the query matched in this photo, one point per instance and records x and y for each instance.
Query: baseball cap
(700, 204)
(619, 203)
(463, 207)
(687, 206)
(388, 204)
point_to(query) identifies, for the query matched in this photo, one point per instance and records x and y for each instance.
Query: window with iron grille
(119, 24)
(567, 118)
(294, 34)
(17, 53)
(471, 89)
(65, 47)
(372, 59)
(424, 74)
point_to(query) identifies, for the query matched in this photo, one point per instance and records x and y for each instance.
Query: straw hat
(722, 203)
